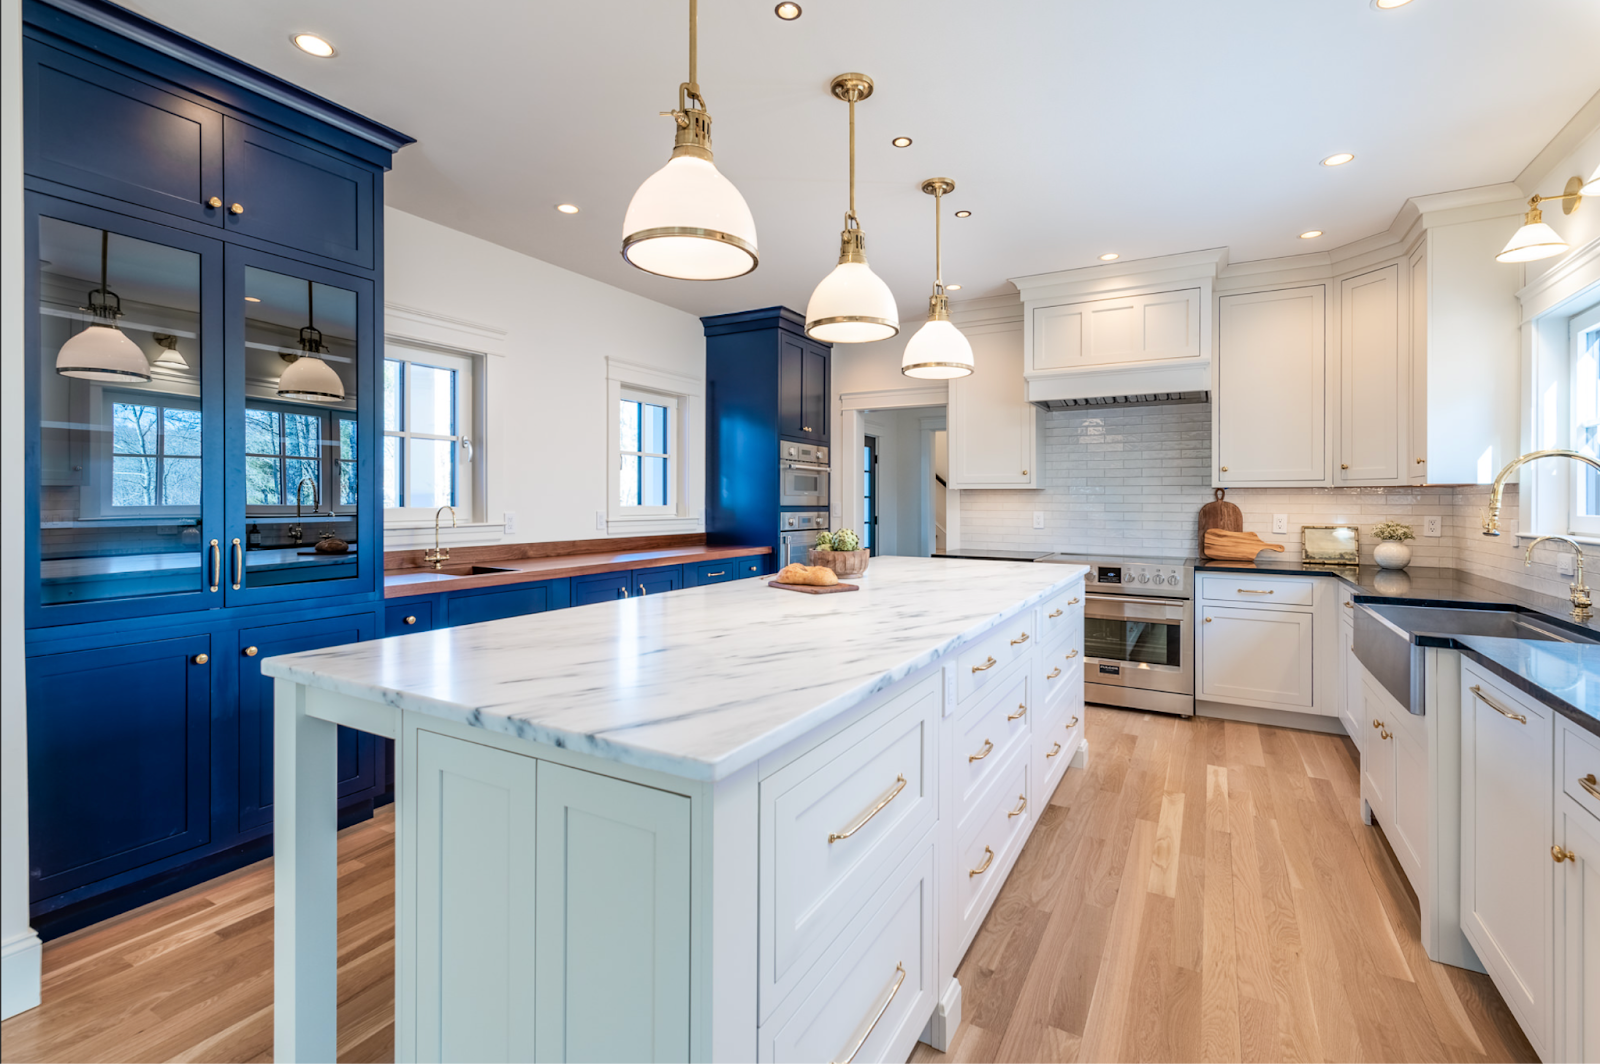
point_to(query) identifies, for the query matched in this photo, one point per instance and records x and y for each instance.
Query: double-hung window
(646, 483)
(427, 432)
(1584, 331)
(654, 428)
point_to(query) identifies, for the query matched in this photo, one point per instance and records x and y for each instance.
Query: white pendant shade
(937, 352)
(688, 221)
(102, 353)
(171, 359)
(1536, 240)
(310, 380)
(1591, 187)
(852, 305)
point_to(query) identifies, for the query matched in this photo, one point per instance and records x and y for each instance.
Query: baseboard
(21, 960)
(1080, 757)
(941, 1028)
(1275, 718)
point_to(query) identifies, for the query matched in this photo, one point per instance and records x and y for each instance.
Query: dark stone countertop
(995, 555)
(1564, 676)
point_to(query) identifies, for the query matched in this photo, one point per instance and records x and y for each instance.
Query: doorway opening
(904, 469)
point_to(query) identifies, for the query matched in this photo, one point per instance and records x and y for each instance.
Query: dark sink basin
(471, 570)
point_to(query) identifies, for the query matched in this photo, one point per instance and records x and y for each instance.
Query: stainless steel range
(1138, 632)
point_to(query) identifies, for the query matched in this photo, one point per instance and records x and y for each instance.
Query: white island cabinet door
(993, 427)
(612, 905)
(1507, 875)
(1256, 657)
(1270, 400)
(1579, 834)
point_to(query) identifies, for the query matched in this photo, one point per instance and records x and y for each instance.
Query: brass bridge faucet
(1581, 602)
(439, 555)
(1491, 523)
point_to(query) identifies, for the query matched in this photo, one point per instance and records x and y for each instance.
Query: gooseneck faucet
(1580, 594)
(1491, 524)
(439, 555)
(295, 531)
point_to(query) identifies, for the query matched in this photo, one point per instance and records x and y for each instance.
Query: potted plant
(1391, 551)
(840, 551)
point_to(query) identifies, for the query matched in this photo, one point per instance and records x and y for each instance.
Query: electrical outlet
(1280, 524)
(1038, 519)
(600, 520)
(1564, 564)
(1433, 526)
(510, 520)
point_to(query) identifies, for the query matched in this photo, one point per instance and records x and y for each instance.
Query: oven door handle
(808, 467)
(1177, 603)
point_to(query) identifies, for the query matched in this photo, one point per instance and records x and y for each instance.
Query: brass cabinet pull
(216, 565)
(1020, 809)
(1053, 616)
(251, 652)
(1422, 461)
(1386, 734)
(1344, 465)
(861, 821)
(1590, 784)
(723, 573)
(1377, 723)
(1073, 723)
(1072, 602)
(1252, 591)
(236, 209)
(1053, 673)
(201, 659)
(1349, 605)
(214, 202)
(987, 861)
(1072, 653)
(238, 564)
(1023, 639)
(642, 591)
(883, 1009)
(1518, 717)
(1053, 753)
(411, 620)
(1557, 854)
(985, 666)
(1022, 711)
(988, 748)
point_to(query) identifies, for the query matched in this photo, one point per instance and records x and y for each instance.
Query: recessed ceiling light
(901, 142)
(963, 214)
(251, 299)
(1338, 160)
(1387, 5)
(1108, 256)
(567, 208)
(1310, 234)
(311, 44)
(952, 288)
(787, 11)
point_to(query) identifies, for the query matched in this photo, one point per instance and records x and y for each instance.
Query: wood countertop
(398, 583)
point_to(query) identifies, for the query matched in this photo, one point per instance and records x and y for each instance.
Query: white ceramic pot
(1391, 554)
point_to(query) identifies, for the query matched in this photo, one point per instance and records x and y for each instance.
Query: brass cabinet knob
(1377, 724)
(1208, 620)
(1224, 469)
(1557, 854)
(1422, 461)
(201, 659)
(251, 652)
(236, 208)
(411, 620)
(1024, 472)
(214, 202)
(1344, 465)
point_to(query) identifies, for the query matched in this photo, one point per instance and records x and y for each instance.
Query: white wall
(552, 331)
(19, 946)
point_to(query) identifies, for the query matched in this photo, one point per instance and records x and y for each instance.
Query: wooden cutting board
(812, 589)
(1223, 545)
(1219, 514)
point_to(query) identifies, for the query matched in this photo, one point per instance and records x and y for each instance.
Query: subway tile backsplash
(1131, 481)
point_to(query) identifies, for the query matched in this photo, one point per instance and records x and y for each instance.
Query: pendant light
(1536, 240)
(687, 220)
(308, 378)
(102, 352)
(852, 305)
(170, 357)
(938, 351)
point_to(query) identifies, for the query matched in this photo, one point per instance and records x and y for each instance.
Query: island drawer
(1060, 671)
(1053, 747)
(1580, 767)
(1265, 591)
(985, 660)
(985, 849)
(834, 822)
(985, 737)
(868, 998)
(1061, 616)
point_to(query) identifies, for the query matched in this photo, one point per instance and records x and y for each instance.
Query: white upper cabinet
(1270, 396)
(1097, 333)
(1416, 456)
(1373, 386)
(994, 438)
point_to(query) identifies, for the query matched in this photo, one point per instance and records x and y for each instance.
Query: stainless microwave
(802, 474)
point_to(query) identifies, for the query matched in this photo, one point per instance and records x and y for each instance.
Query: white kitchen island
(726, 823)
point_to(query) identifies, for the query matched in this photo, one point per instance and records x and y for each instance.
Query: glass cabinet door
(300, 416)
(127, 471)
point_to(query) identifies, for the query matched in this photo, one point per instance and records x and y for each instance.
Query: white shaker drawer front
(1053, 748)
(833, 823)
(870, 1001)
(1060, 673)
(984, 850)
(985, 737)
(988, 658)
(1269, 591)
(1061, 616)
(1580, 767)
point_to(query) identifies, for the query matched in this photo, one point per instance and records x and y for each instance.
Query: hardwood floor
(1202, 891)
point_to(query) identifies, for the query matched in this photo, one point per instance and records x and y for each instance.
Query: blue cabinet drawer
(496, 605)
(655, 580)
(745, 568)
(408, 615)
(717, 572)
(601, 587)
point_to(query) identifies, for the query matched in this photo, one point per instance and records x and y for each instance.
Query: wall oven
(802, 474)
(797, 534)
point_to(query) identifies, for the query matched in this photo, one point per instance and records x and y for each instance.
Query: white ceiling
(1071, 128)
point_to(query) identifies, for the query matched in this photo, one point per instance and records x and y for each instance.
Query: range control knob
(1144, 578)
(1160, 579)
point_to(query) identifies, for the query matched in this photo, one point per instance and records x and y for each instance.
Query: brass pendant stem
(852, 155)
(105, 253)
(694, 48)
(938, 240)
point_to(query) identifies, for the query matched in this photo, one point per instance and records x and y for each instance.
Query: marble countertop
(698, 683)
(995, 555)
(398, 583)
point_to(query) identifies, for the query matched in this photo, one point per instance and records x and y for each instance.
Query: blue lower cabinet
(495, 604)
(601, 587)
(745, 568)
(408, 615)
(119, 759)
(656, 580)
(358, 751)
(717, 572)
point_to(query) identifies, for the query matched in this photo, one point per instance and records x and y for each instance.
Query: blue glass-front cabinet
(230, 225)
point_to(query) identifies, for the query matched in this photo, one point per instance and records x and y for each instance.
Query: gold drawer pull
(988, 748)
(987, 861)
(1073, 723)
(214, 202)
(1023, 639)
(236, 209)
(1518, 717)
(1377, 723)
(1022, 711)
(723, 573)
(985, 666)
(1072, 653)
(1072, 602)
(411, 620)
(1557, 854)
(1053, 673)
(251, 652)
(883, 1009)
(201, 659)
(216, 565)
(1252, 591)
(861, 821)
(1053, 616)
(1349, 605)
(1021, 808)
(1386, 734)
(1590, 784)
(1053, 753)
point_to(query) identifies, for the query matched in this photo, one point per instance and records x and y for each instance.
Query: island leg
(306, 883)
